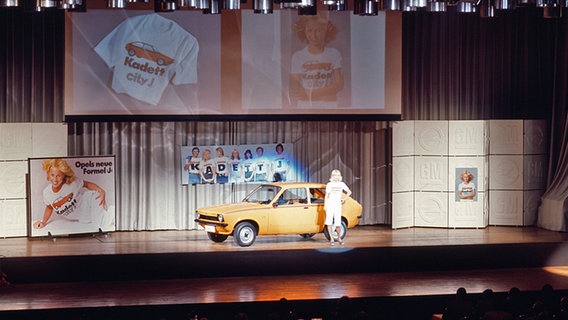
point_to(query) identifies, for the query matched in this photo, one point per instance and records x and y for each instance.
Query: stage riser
(281, 262)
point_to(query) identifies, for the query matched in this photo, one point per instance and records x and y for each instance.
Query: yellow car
(275, 208)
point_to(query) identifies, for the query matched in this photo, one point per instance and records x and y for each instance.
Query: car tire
(131, 52)
(343, 231)
(307, 235)
(245, 234)
(216, 237)
(160, 61)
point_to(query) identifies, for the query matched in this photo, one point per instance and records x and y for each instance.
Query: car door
(317, 201)
(292, 213)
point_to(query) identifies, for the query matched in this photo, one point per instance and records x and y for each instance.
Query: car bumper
(214, 226)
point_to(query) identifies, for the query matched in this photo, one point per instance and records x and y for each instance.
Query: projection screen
(189, 65)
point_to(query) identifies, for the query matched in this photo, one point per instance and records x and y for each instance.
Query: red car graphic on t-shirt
(61, 201)
(147, 51)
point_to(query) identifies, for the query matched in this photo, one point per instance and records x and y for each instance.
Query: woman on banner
(70, 196)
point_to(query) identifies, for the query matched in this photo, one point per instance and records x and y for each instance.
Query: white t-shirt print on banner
(145, 53)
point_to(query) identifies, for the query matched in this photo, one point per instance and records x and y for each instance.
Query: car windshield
(263, 194)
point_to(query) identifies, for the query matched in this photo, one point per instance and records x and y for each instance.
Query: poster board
(65, 195)
(238, 164)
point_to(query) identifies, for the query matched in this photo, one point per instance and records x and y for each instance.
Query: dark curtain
(553, 211)
(559, 119)
(32, 55)
(458, 66)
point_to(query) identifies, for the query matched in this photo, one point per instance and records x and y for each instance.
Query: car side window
(317, 195)
(293, 196)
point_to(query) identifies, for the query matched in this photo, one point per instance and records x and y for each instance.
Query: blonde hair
(300, 27)
(336, 176)
(468, 174)
(60, 165)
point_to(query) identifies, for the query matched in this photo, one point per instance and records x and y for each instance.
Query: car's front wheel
(245, 234)
(342, 231)
(217, 237)
(307, 235)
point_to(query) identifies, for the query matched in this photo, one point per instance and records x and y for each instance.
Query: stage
(165, 269)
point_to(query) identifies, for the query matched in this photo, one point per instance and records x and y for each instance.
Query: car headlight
(220, 218)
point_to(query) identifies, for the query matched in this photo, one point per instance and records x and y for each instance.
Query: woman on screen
(316, 71)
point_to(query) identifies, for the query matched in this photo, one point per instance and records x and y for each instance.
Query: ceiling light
(116, 4)
(504, 4)
(392, 5)
(8, 3)
(214, 7)
(466, 7)
(486, 9)
(336, 5)
(262, 6)
(436, 6)
(365, 7)
(307, 10)
(165, 6)
(231, 4)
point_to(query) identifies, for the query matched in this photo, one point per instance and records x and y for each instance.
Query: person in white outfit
(336, 192)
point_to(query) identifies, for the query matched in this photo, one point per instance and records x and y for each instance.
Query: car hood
(228, 208)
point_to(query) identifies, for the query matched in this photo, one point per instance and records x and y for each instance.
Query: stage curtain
(32, 54)
(150, 194)
(459, 66)
(553, 211)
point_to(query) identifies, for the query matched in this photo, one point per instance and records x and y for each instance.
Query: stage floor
(150, 242)
(266, 288)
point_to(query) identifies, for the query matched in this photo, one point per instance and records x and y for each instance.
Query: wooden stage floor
(296, 286)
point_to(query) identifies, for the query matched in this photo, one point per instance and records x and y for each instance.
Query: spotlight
(504, 4)
(214, 7)
(436, 6)
(393, 5)
(116, 4)
(263, 6)
(408, 5)
(48, 3)
(525, 2)
(486, 9)
(9, 3)
(418, 3)
(365, 7)
(307, 10)
(203, 4)
(466, 7)
(289, 4)
(335, 5)
(231, 4)
(70, 4)
(165, 6)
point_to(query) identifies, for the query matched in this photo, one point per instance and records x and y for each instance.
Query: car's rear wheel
(217, 237)
(342, 231)
(245, 234)
(307, 235)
